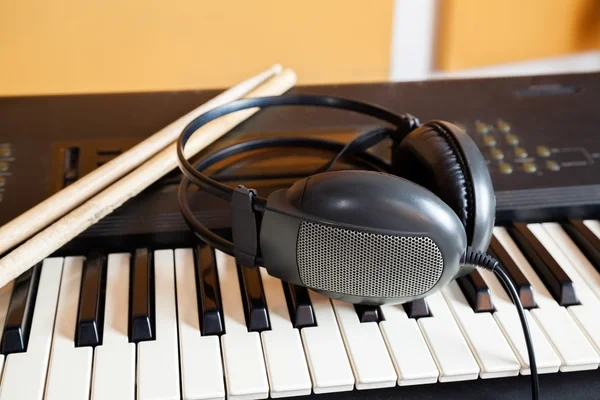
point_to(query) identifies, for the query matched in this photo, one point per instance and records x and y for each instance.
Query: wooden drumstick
(57, 205)
(62, 231)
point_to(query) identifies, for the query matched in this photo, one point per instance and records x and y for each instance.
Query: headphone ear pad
(442, 158)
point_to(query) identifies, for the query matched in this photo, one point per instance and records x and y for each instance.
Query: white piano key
(243, 362)
(5, 294)
(366, 349)
(489, 346)
(568, 340)
(113, 375)
(549, 236)
(284, 355)
(593, 225)
(158, 360)
(324, 347)
(446, 342)
(24, 375)
(201, 366)
(70, 367)
(508, 320)
(410, 354)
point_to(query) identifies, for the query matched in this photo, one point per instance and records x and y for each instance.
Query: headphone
(392, 234)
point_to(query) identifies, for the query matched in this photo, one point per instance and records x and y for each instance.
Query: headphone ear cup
(442, 158)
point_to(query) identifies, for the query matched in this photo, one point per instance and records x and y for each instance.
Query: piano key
(476, 291)
(243, 362)
(367, 313)
(301, 310)
(70, 366)
(24, 374)
(287, 369)
(253, 299)
(200, 356)
(585, 278)
(142, 323)
(555, 279)
(412, 359)
(519, 280)
(211, 311)
(158, 360)
(508, 320)
(585, 239)
(113, 375)
(20, 312)
(366, 349)
(328, 362)
(417, 309)
(593, 225)
(91, 302)
(5, 294)
(490, 348)
(447, 344)
(568, 340)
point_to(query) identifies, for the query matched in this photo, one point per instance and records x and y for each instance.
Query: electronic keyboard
(136, 308)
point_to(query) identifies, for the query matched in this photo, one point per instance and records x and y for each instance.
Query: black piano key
(253, 299)
(521, 283)
(476, 291)
(209, 295)
(417, 309)
(556, 280)
(368, 313)
(299, 305)
(90, 316)
(586, 240)
(17, 324)
(141, 313)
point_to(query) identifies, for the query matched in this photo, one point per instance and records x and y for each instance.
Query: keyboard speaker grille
(366, 264)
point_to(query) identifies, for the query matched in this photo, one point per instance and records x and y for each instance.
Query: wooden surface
(476, 33)
(73, 46)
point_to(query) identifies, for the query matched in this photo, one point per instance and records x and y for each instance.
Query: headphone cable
(479, 259)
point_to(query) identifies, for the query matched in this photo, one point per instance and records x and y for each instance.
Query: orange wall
(74, 46)
(475, 33)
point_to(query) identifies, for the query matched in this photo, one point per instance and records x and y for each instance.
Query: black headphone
(391, 235)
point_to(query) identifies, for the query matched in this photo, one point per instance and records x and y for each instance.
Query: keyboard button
(158, 360)
(91, 302)
(243, 362)
(201, 366)
(476, 291)
(481, 330)
(447, 344)
(367, 313)
(519, 280)
(253, 298)
(284, 355)
(325, 352)
(569, 342)
(555, 279)
(113, 375)
(70, 367)
(585, 239)
(417, 309)
(20, 312)
(25, 373)
(301, 310)
(411, 357)
(141, 323)
(211, 310)
(368, 354)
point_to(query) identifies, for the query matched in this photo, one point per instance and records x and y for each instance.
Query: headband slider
(244, 226)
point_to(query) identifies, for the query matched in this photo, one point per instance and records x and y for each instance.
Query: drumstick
(62, 231)
(54, 207)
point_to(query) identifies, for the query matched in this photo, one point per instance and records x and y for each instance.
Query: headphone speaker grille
(366, 264)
